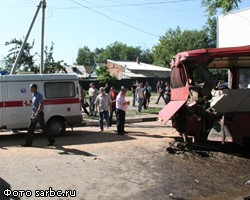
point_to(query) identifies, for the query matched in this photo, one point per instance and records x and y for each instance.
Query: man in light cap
(103, 104)
(121, 107)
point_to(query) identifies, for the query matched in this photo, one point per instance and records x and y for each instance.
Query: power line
(151, 7)
(143, 4)
(171, 10)
(119, 13)
(116, 20)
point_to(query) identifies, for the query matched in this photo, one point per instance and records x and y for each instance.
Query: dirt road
(108, 166)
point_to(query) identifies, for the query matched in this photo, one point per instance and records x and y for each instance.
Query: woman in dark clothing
(113, 95)
(83, 100)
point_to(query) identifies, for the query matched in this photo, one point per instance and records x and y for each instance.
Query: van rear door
(1, 102)
(17, 104)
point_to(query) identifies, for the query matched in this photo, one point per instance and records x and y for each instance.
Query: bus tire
(56, 126)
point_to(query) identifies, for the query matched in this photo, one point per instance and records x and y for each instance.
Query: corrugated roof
(142, 66)
(77, 69)
(132, 75)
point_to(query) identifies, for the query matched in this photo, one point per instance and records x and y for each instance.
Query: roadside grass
(149, 111)
(129, 93)
(132, 112)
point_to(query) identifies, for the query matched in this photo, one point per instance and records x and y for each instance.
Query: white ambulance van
(61, 101)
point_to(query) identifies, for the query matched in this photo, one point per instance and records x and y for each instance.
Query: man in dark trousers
(161, 92)
(113, 95)
(121, 107)
(37, 116)
(167, 93)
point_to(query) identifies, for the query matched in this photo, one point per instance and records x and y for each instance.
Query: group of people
(106, 103)
(142, 94)
(102, 102)
(163, 90)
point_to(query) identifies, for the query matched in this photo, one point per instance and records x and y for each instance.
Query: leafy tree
(118, 51)
(114, 51)
(85, 56)
(147, 56)
(50, 65)
(211, 30)
(26, 62)
(103, 74)
(98, 54)
(226, 6)
(175, 41)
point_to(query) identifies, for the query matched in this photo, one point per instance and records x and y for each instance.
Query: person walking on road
(150, 92)
(37, 117)
(103, 105)
(161, 92)
(121, 107)
(167, 93)
(133, 90)
(158, 86)
(93, 92)
(83, 100)
(113, 96)
(140, 96)
(146, 96)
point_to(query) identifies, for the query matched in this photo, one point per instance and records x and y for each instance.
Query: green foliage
(118, 51)
(85, 56)
(50, 65)
(211, 30)
(226, 6)
(26, 62)
(114, 51)
(103, 74)
(147, 56)
(220, 74)
(175, 41)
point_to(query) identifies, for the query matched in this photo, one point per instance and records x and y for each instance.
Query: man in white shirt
(103, 105)
(93, 92)
(121, 107)
(140, 96)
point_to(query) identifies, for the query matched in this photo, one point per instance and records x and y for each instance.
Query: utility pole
(13, 69)
(42, 36)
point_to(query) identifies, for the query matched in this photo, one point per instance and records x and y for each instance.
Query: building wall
(234, 29)
(115, 69)
(147, 73)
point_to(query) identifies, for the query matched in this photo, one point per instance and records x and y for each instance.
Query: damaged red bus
(208, 109)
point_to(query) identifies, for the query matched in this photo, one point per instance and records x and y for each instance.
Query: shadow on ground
(70, 138)
(207, 148)
(3, 186)
(148, 126)
(142, 134)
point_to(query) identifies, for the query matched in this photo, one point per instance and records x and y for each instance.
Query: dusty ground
(109, 166)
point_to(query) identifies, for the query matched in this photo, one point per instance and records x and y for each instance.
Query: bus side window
(244, 78)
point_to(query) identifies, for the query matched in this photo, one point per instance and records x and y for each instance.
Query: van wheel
(57, 126)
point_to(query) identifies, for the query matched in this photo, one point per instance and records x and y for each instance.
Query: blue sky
(70, 25)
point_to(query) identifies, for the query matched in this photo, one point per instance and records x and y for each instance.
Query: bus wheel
(57, 126)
